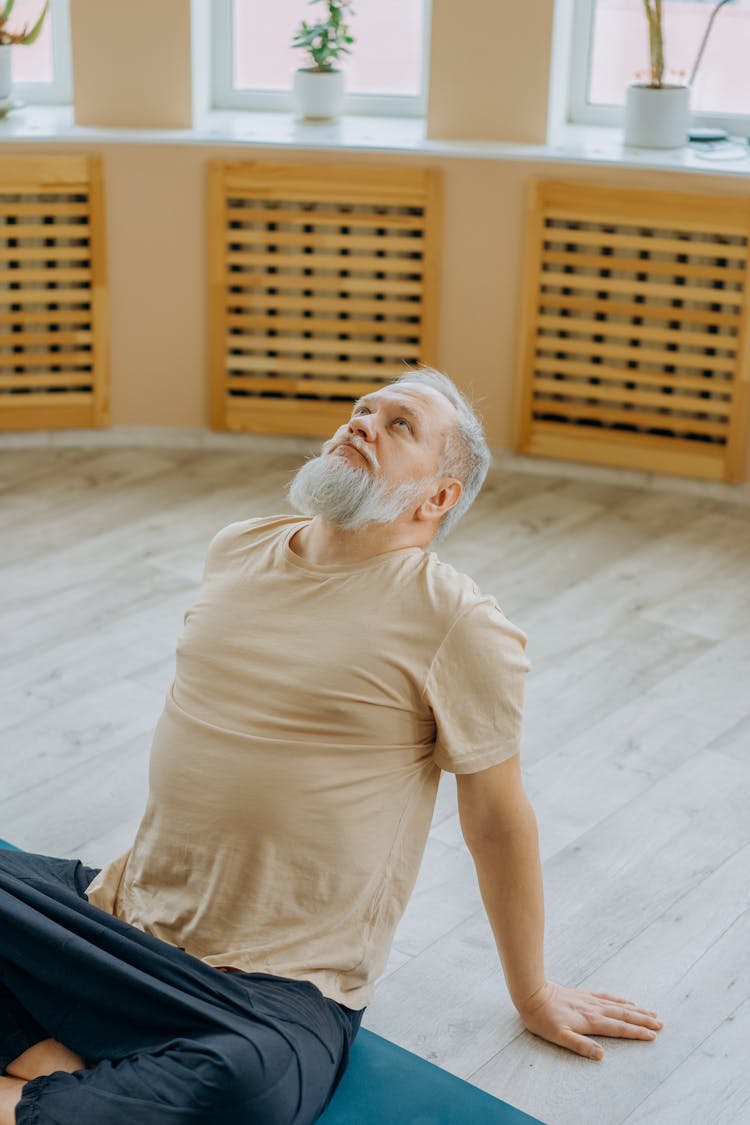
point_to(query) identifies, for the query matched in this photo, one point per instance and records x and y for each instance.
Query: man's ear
(446, 496)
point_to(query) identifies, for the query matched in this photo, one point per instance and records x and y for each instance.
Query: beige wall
(131, 63)
(156, 244)
(489, 69)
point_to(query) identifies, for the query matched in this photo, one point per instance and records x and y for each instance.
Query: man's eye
(402, 422)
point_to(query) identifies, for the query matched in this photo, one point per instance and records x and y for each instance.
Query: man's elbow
(501, 831)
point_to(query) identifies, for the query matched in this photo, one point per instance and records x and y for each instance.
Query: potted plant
(319, 89)
(656, 112)
(9, 39)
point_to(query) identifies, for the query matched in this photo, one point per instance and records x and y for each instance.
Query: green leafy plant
(23, 37)
(327, 39)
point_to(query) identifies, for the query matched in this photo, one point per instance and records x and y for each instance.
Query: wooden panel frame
(345, 323)
(51, 381)
(586, 261)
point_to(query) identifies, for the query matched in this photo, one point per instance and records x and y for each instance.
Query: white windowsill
(576, 144)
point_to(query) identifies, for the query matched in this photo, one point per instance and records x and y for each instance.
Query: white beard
(348, 496)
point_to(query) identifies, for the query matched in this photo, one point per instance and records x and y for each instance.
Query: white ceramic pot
(657, 117)
(6, 75)
(318, 94)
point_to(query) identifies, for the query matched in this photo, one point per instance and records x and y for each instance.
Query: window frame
(224, 96)
(60, 90)
(581, 112)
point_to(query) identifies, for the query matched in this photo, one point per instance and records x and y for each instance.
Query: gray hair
(466, 455)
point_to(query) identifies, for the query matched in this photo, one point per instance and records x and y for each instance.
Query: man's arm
(499, 827)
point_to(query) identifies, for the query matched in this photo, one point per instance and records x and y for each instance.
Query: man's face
(397, 433)
(381, 463)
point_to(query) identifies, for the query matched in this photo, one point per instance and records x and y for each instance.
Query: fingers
(581, 1045)
(629, 1009)
(633, 1015)
(622, 1019)
(619, 1029)
(569, 1017)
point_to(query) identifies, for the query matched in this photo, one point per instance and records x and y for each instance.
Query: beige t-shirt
(294, 768)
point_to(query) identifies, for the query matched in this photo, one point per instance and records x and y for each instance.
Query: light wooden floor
(636, 601)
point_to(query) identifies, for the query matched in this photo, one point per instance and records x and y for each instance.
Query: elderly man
(329, 670)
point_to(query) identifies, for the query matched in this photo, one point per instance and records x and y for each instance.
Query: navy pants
(166, 1039)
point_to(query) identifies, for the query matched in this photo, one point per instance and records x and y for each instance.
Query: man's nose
(363, 426)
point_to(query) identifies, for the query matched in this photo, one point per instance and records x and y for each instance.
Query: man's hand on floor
(568, 1016)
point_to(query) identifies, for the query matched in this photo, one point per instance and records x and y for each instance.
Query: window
(253, 63)
(610, 50)
(42, 71)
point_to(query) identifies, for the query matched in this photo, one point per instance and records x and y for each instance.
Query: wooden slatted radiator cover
(323, 283)
(634, 348)
(53, 299)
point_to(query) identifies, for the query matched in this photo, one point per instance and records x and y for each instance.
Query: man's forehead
(411, 397)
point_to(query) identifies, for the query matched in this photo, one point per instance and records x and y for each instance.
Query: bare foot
(44, 1058)
(10, 1096)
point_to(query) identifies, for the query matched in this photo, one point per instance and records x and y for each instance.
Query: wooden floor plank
(634, 1078)
(709, 1085)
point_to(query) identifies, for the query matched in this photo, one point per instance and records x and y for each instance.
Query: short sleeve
(220, 547)
(475, 688)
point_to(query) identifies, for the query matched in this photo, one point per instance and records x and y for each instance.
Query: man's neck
(323, 544)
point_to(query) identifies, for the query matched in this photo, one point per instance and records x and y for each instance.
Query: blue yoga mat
(386, 1085)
